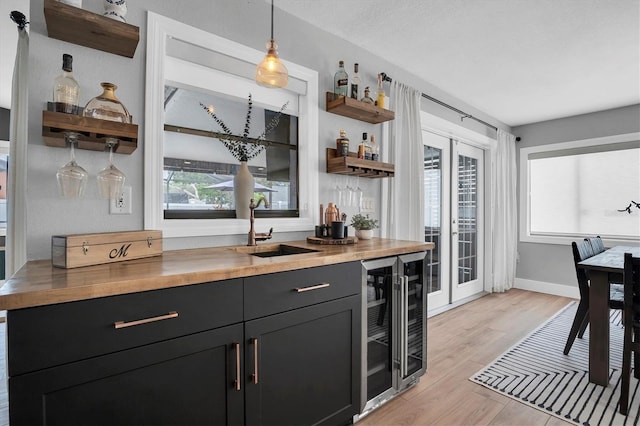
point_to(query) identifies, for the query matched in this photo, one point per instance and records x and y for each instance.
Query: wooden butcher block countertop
(38, 283)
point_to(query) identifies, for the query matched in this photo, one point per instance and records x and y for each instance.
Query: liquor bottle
(375, 149)
(65, 88)
(342, 144)
(355, 83)
(367, 96)
(340, 81)
(362, 148)
(367, 147)
(380, 94)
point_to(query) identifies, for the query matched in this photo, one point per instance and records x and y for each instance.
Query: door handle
(237, 349)
(254, 375)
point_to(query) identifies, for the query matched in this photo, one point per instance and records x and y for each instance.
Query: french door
(454, 203)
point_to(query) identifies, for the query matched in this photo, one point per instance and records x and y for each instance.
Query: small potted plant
(364, 226)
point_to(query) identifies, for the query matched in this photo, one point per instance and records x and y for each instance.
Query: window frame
(159, 30)
(525, 234)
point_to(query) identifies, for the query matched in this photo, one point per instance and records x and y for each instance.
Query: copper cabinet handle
(254, 376)
(237, 349)
(124, 324)
(313, 287)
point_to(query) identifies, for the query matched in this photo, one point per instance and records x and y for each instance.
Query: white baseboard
(549, 288)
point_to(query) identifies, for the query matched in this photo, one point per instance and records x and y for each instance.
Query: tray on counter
(332, 241)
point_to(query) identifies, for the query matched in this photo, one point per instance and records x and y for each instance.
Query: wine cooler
(394, 346)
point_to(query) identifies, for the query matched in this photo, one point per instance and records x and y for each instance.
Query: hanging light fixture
(271, 72)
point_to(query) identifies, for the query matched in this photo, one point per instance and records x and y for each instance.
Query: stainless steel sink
(272, 250)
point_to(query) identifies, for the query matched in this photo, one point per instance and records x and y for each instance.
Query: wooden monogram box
(73, 251)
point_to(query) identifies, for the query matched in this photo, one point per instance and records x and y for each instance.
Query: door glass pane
(467, 214)
(415, 316)
(433, 214)
(379, 352)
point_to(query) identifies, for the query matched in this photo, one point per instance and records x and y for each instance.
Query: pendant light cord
(271, 19)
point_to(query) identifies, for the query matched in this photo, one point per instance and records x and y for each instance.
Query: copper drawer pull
(123, 324)
(237, 349)
(254, 376)
(313, 287)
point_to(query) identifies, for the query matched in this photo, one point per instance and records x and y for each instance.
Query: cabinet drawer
(283, 291)
(51, 335)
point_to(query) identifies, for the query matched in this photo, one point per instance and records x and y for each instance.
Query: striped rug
(537, 373)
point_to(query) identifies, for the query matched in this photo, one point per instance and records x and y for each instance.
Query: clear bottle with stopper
(340, 81)
(66, 89)
(367, 96)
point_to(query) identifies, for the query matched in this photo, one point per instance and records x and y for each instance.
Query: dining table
(598, 268)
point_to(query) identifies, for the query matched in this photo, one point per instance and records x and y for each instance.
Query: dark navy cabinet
(274, 349)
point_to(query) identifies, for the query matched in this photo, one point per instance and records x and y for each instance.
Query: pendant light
(271, 72)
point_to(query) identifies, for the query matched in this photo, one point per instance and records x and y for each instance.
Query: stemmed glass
(110, 179)
(358, 195)
(72, 179)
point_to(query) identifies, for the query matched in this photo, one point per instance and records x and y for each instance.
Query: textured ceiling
(520, 61)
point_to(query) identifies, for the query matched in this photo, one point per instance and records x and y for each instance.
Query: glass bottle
(65, 88)
(340, 81)
(362, 148)
(367, 147)
(107, 106)
(380, 95)
(355, 83)
(342, 144)
(367, 96)
(375, 149)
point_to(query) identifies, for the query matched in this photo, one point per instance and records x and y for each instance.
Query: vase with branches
(244, 148)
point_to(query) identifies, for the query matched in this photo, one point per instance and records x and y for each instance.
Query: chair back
(596, 244)
(631, 275)
(582, 250)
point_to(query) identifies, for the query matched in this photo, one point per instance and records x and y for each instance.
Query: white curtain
(402, 215)
(504, 211)
(16, 247)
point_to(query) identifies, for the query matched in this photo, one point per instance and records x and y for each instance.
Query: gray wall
(244, 21)
(552, 263)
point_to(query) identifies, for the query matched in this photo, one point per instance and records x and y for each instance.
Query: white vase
(243, 190)
(364, 234)
(115, 9)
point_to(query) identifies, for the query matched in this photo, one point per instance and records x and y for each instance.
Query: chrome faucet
(253, 236)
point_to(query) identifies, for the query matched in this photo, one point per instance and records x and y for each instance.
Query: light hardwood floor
(459, 343)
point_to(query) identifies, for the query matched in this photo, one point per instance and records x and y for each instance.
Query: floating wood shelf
(93, 133)
(354, 166)
(79, 26)
(352, 108)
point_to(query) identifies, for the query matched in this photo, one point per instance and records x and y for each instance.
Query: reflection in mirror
(199, 170)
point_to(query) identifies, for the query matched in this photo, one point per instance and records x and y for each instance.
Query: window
(199, 170)
(188, 170)
(578, 189)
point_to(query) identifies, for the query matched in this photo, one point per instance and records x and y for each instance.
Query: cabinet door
(187, 380)
(303, 366)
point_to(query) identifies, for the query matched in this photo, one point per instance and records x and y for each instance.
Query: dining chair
(583, 250)
(615, 278)
(596, 244)
(631, 322)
